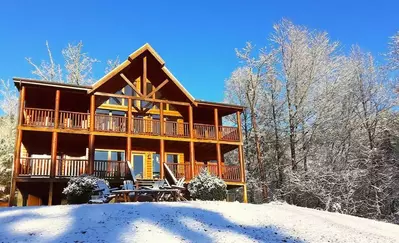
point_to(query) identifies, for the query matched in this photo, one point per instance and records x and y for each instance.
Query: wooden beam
(17, 161)
(131, 85)
(161, 119)
(21, 105)
(129, 149)
(50, 194)
(129, 116)
(238, 116)
(108, 76)
(157, 88)
(142, 98)
(219, 159)
(11, 199)
(241, 160)
(216, 116)
(54, 145)
(144, 77)
(162, 157)
(192, 148)
(245, 197)
(92, 112)
(57, 108)
(91, 153)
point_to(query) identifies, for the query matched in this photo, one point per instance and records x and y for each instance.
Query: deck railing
(231, 172)
(118, 124)
(106, 123)
(35, 166)
(38, 117)
(211, 167)
(74, 120)
(180, 170)
(177, 129)
(204, 131)
(229, 133)
(146, 126)
(110, 169)
(71, 167)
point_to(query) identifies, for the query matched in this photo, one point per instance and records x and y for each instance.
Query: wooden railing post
(240, 148)
(218, 152)
(57, 108)
(91, 135)
(161, 119)
(192, 149)
(161, 157)
(54, 139)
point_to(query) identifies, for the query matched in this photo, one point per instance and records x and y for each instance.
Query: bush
(80, 189)
(207, 187)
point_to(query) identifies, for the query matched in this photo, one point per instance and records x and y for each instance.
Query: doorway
(138, 165)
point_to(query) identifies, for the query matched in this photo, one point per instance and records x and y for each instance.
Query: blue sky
(196, 38)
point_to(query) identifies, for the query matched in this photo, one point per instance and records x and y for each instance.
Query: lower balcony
(116, 170)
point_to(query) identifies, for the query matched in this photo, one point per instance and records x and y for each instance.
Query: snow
(188, 222)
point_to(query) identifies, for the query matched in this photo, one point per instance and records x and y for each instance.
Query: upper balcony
(68, 120)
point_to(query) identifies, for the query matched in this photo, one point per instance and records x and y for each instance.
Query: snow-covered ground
(188, 222)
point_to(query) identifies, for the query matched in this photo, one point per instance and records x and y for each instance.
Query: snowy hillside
(187, 222)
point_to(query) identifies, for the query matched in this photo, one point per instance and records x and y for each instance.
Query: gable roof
(131, 57)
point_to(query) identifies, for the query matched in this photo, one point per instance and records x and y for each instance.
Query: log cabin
(138, 113)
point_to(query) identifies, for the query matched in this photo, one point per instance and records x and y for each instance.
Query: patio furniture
(105, 194)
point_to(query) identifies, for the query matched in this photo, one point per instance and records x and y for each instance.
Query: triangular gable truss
(126, 63)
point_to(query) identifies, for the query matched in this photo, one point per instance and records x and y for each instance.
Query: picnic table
(156, 194)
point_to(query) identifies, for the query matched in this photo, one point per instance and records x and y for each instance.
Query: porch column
(54, 139)
(218, 152)
(161, 119)
(50, 194)
(244, 193)
(192, 151)
(128, 154)
(240, 148)
(162, 157)
(91, 135)
(18, 143)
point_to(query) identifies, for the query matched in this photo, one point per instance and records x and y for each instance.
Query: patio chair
(105, 194)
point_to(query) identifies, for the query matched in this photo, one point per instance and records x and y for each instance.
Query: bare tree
(78, 66)
(112, 64)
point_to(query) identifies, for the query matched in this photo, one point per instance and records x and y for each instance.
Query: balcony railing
(228, 133)
(106, 123)
(38, 117)
(118, 124)
(115, 170)
(74, 120)
(35, 166)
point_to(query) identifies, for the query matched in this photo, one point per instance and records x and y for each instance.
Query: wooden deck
(35, 117)
(114, 170)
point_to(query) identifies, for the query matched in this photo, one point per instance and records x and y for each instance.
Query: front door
(138, 165)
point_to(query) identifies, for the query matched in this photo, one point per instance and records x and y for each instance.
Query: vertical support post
(240, 148)
(219, 158)
(161, 119)
(192, 150)
(218, 151)
(57, 108)
(128, 153)
(91, 135)
(54, 147)
(54, 139)
(129, 116)
(144, 80)
(162, 157)
(216, 116)
(50, 194)
(244, 194)
(18, 143)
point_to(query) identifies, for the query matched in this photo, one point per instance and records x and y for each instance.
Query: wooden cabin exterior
(138, 113)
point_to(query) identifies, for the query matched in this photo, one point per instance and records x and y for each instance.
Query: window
(118, 156)
(156, 169)
(172, 158)
(100, 155)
